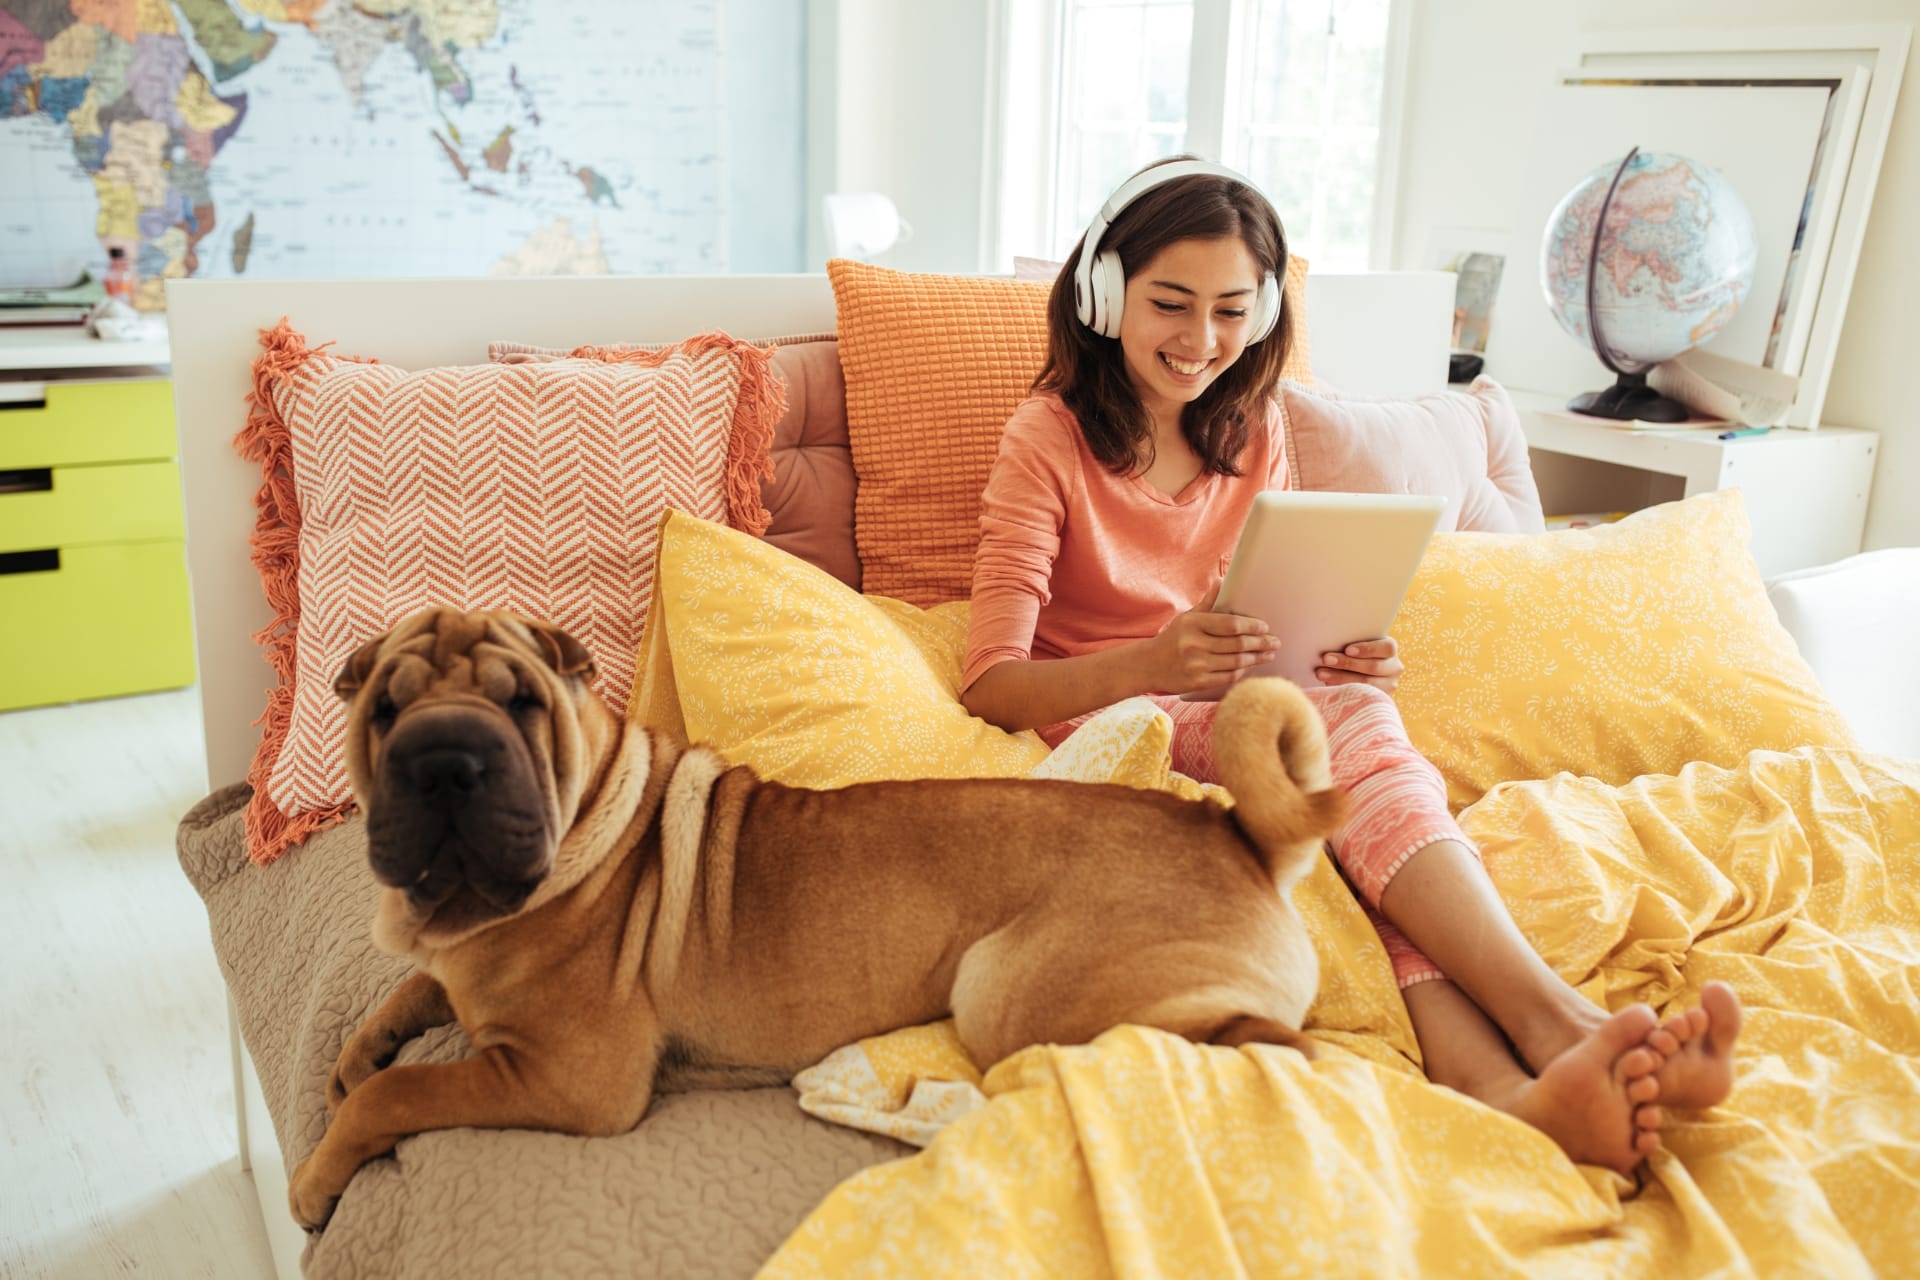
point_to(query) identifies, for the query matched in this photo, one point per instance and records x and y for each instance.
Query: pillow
(1464, 446)
(1130, 743)
(935, 365)
(777, 665)
(809, 497)
(1628, 649)
(534, 487)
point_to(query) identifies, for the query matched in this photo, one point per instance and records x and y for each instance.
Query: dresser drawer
(94, 622)
(121, 421)
(80, 506)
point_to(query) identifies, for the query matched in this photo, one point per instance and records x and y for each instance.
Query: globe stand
(1629, 398)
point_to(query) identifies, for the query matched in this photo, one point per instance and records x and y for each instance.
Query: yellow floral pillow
(778, 665)
(1130, 742)
(1633, 648)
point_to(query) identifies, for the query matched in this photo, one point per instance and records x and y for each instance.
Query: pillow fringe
(275, 541)
(275, 544)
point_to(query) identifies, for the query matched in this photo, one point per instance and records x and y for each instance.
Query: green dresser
(93, 574)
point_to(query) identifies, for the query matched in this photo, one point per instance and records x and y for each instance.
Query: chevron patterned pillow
(535, 487)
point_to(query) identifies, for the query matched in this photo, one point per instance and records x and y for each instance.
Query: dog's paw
(310, 1203)
(357, 1063)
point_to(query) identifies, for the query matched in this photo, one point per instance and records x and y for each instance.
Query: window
(1294, 93)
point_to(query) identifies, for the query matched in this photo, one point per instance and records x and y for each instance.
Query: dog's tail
(1272, 749)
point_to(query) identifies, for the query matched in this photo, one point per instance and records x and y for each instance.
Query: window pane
(1127, 98)
(1344, 236)
(1111, 53)
(1169, 35)
(1285, 169)
(1105, 161)
(1290, 62)
(1315, 81)
(1359, 63)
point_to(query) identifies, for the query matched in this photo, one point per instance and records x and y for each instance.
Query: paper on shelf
(1725, 387)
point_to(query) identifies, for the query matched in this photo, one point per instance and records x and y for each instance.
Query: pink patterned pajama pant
(1399, 800)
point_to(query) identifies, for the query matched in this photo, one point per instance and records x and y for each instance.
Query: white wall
(1475, 67)
(897, 92)
(897, 104)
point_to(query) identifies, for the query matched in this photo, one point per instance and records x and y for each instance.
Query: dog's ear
(358, 668)
(563, 653)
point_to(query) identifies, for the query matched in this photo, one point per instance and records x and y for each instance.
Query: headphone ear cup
(1266, 315)
(1109, 295)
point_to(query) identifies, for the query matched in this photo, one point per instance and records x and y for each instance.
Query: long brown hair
(1089, 371)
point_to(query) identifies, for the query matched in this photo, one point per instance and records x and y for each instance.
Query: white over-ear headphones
(1100, 282)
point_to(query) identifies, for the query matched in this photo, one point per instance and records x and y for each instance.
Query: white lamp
(862, 224)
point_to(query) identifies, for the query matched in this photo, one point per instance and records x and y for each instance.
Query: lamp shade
(861, 224)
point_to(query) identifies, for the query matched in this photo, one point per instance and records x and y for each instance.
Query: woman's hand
(1374, 662)
(1201, 649)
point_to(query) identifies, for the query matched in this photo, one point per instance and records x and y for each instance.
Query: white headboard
(1379, 334)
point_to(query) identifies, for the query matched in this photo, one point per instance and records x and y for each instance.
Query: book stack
(69, 305)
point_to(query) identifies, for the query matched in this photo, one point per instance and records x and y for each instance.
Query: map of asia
(373, 138)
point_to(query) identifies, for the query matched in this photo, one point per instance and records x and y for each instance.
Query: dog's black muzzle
(457, 802)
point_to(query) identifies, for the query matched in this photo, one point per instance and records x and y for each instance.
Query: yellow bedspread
(1794, 877)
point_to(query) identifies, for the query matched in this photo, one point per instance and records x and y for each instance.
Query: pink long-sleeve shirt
(1074, 559)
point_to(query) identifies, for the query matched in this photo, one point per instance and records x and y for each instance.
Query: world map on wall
(309, 138)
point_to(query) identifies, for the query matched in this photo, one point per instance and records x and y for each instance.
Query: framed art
(1795, 118)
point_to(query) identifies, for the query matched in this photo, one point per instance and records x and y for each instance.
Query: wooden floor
(117, 1149)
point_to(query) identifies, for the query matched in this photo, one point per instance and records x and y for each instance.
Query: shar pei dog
(602, 908)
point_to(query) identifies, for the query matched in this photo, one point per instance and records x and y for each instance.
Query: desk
(93, 574)
(1806, 491)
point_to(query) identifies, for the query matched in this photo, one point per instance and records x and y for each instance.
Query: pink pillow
(534, 487)
(1465, 446)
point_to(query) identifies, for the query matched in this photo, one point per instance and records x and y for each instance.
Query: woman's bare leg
(1594, 1099)
(1445, 904)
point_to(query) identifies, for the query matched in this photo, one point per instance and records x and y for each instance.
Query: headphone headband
(1099, 283)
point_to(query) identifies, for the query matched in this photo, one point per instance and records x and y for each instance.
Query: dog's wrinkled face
(464, 746)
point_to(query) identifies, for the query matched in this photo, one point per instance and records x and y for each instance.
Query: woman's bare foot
(1596, 1098)
(1697, 1048)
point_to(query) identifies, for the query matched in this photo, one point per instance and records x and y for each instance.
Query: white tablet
(1324, 570)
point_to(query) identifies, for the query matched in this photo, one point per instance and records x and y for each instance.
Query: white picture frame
(1763, 140)
(1863, 66)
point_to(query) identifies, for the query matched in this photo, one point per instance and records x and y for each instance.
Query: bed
(1771, 865)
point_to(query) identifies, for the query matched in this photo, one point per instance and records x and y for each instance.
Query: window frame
(1022, 175)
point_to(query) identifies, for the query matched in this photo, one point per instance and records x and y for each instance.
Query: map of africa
(374, 138)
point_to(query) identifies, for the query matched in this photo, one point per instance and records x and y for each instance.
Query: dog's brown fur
(597, 906)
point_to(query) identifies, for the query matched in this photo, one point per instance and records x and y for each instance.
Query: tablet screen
(1324, 570)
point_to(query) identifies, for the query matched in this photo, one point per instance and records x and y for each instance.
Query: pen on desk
(1741, 433)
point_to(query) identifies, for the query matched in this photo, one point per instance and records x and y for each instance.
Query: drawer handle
(32, 480)
(12, 562)
(38, 402)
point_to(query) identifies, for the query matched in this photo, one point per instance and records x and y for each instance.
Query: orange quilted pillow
(935, 365)
(533, 487)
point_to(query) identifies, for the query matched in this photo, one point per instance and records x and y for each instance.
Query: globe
(1646, 258)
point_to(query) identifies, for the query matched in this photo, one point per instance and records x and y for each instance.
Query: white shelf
(72, 347)
(1806, 491)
